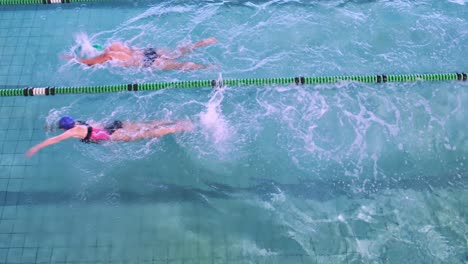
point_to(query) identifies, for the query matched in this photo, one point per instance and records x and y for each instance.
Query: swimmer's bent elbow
(96, 60)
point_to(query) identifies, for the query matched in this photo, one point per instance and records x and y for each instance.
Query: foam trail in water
(460, 2)
(215, 127)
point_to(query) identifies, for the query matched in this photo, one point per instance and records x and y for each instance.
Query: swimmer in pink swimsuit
(93, 135)
(116, 131)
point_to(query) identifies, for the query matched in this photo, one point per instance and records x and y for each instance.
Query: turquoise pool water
(345, 173)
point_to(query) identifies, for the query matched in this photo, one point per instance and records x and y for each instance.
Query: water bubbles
(214, 125)
(460, 2)
(84, 47)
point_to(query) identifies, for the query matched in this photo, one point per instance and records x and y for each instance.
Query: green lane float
(133, 87)
(45, 2)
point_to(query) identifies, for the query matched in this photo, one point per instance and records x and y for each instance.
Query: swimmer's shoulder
(118, 47)
(78, 131)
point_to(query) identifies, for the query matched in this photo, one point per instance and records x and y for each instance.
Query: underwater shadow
(264, 188)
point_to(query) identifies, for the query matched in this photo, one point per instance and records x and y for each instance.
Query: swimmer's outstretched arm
(96, 60)
(66, 135)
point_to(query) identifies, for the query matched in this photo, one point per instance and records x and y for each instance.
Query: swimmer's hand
(32, 151)
(67, 56)
(206, 42)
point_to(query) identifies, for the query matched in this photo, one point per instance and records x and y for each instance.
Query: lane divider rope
(46, 2)
(383, 78)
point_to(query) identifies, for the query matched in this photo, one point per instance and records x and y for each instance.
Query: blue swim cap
(66, 122)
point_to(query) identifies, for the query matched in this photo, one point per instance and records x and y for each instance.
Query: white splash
(365, 213)
(215, 127)
(84, 47)
(460, 2)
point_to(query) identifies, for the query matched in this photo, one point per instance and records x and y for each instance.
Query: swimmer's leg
(185, 49)
(163, 64)
(201, 43)
(132, 133)
(146, 125)
(159, 123)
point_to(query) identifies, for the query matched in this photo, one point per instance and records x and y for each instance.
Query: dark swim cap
(66, 122)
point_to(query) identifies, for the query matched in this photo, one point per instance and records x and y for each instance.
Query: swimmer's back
(122, 53)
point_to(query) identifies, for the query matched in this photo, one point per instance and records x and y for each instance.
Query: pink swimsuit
(94, 135)
(99, 134)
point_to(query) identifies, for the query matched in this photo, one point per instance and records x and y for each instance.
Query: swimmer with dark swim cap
(116, 131)
(160, 59)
